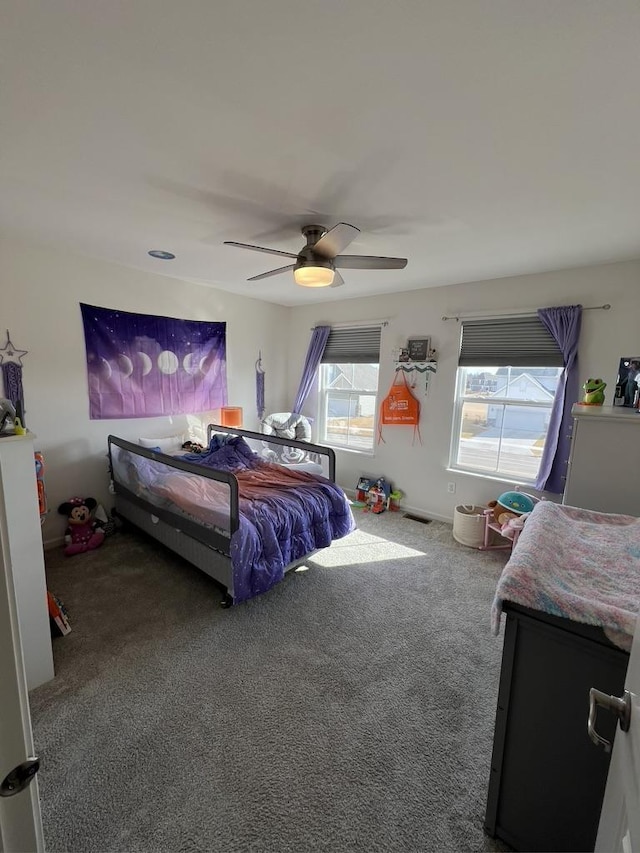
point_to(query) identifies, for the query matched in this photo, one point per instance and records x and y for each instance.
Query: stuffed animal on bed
(83, 532)
(193, 447)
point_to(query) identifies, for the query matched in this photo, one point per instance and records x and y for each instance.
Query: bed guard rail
(325, 456)
(193, 528)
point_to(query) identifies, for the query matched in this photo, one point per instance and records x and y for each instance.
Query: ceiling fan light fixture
(320, 261)
(311, 276)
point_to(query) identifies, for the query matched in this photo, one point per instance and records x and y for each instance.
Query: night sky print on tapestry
(142, 366)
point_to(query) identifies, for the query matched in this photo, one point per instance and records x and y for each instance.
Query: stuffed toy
(593, 392)
(511, 505)
(83, 533)
(513, 524)
(193, 447)
(500, 515)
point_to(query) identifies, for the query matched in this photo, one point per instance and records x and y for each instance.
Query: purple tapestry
(142, 366)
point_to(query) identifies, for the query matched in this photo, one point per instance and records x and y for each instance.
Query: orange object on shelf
(231, 416)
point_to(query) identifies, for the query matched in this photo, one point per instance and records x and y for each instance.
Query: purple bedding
(284, 514)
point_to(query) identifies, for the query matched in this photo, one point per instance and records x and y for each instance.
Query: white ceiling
(477, 138)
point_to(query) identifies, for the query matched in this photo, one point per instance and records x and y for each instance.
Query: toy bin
(468, 525)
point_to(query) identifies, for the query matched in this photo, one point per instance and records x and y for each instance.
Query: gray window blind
(508, 341)
(355, 345)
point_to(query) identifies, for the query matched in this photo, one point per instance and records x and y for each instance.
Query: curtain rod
(529, 313)
(353, 325)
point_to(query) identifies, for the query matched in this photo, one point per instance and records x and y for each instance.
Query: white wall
(39, 304)
(420, 470)
(41, 290)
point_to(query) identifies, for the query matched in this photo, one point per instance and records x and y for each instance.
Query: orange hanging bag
(400, 407)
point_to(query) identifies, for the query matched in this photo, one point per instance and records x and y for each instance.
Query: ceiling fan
(318, 263)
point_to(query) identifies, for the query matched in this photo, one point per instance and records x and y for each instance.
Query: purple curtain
(314, 354)
(564, 325)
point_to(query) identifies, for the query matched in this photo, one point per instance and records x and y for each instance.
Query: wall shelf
(424, 367)
(420, 366)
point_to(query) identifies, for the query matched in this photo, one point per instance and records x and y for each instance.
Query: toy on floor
(83, 532)
(378, 493)
(593, 392)
(58, 616)
(394, 500)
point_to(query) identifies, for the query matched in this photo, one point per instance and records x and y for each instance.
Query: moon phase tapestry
(142, 366)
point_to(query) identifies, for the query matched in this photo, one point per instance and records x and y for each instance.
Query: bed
(234, 510)
(569, 595)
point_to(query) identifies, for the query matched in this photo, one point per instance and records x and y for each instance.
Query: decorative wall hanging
(400, 407)
(419, 348)
(423, 367)
(142, 366)
(260, 387)
(11, 361)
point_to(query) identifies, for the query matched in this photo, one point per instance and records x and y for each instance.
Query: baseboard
(50, 544)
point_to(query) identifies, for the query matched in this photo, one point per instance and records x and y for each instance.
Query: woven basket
(468, 525)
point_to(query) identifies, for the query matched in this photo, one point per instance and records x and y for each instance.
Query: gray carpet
(350, 708)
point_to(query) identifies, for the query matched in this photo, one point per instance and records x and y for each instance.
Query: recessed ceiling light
(164, 256)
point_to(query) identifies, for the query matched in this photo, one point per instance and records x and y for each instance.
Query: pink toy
(512, 526)
(82, 533)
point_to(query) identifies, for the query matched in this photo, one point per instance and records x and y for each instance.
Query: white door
(619, 828)
(20, 821)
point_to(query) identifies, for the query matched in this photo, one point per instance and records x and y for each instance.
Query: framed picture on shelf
(419, 348)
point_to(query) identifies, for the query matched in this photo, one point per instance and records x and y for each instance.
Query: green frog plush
(593, 392)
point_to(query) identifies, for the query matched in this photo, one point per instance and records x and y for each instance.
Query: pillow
(287, 425)
(168, 444)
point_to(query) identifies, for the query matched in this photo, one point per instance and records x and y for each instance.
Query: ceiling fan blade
(368, 262)
(259, 249)
(335, 240)
(338, 281)
(272, 272)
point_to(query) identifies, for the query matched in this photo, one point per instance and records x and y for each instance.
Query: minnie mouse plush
(82, 533)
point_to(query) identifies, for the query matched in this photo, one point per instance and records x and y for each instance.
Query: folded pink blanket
(577, 564)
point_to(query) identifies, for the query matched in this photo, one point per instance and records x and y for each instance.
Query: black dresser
(547, 777)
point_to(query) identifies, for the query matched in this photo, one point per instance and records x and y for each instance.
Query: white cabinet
(21, 540)
(604, 463)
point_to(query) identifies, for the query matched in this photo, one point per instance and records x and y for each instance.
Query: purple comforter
(284, 515)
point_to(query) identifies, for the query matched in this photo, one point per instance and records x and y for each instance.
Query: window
(508, 374)
(348, 387)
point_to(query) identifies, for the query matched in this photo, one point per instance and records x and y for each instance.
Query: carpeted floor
(350, 708)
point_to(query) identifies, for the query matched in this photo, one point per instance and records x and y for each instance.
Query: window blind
(508, 341)
(355, 345)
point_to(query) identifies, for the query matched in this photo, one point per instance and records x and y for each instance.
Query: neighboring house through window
(348, 388)
(508, 374)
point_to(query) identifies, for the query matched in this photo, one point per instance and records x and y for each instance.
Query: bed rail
(193, 528)
(324, 455)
